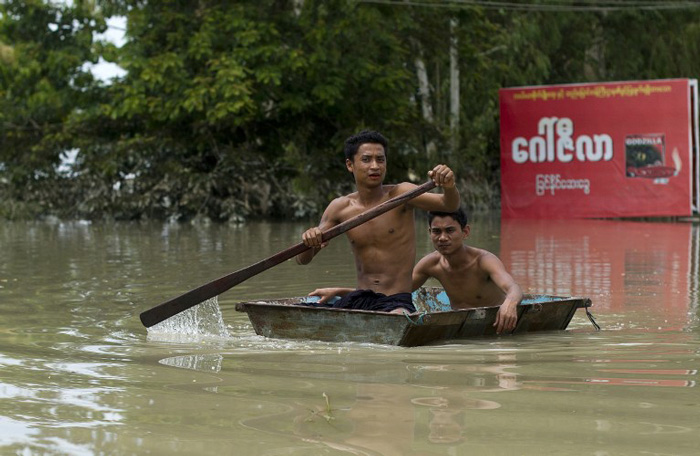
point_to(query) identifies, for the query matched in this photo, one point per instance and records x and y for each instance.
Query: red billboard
(620, 149)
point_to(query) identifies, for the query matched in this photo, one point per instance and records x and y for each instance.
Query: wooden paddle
(216, 287)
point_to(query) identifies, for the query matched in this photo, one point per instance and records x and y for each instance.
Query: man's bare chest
(394, 226)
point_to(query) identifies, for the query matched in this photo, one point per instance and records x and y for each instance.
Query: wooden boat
(434, 320)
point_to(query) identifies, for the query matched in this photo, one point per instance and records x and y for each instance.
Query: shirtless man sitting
(384, 247)
(471, 277)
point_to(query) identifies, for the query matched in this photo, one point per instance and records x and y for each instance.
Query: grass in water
(326, 413)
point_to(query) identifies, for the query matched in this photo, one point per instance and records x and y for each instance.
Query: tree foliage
(42, 83)
(231, 110)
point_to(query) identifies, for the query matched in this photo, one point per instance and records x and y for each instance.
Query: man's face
(369, 164)
(447, 235)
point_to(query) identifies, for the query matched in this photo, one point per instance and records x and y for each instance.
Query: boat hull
(433, 322)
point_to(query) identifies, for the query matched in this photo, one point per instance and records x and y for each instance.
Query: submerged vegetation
(234, 110)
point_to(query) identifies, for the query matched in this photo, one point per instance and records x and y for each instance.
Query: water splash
(201, 321)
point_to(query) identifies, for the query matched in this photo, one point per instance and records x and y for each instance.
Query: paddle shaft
(216, 287)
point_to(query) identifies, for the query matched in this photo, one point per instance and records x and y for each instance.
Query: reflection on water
(203, 362)
(80, 375)
(377, 408)
(623, 266)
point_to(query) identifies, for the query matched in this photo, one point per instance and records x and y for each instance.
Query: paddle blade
(215, 287)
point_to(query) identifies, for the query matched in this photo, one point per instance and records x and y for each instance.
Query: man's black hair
(460, 216)
(364, 137)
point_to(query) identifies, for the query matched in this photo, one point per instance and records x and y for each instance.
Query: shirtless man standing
(471, 277)
(384, 247)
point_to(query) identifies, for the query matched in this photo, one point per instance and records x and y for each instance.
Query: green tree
(42, 82)
(239, 109)
(229, 110)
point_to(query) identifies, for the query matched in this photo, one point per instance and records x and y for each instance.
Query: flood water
(80, 375)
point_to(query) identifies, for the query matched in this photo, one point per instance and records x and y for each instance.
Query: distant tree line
(234, 110)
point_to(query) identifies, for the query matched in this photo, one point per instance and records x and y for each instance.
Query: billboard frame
(533, 157)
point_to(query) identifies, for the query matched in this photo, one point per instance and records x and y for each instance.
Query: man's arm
(326, 293)
(448, 201)
(313, 237)
(420, 273)
(507, 315)
(306, 256)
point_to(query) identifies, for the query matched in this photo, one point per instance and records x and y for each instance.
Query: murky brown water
(81, 376)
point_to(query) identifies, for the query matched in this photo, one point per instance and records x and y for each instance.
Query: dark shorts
(370, 300)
